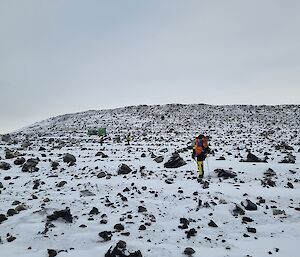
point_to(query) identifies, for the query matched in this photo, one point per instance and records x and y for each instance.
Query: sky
(66, 56)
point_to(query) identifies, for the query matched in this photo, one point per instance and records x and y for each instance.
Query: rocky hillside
(63, 193)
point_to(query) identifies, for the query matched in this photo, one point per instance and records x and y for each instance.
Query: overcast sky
(58, 57)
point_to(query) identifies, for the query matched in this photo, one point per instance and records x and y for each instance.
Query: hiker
(128, 139)
(200, 151)
(101, 140)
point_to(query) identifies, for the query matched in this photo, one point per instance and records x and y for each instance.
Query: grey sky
(59, 57)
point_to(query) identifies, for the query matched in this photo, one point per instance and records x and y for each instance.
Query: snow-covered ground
(170, 196)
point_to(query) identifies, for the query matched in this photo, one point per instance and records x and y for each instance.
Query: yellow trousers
(200, 168)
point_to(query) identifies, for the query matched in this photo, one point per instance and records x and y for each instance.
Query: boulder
(159, 159)
(289, 158)
(120, 251)
(69, 158)
(4, 166)
(124, 169)
(19, 161)
(64, 214)
(30, 165)
(175, 161)
(105, 235)
(248, 205)
(189, 251)
(225, 173)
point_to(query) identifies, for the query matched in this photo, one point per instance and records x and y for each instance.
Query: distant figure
(118, 139)
(101, 140)
(128, 139)
(200, 151)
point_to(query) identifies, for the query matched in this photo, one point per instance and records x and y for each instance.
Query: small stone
(106, 235)
(51, 252)
(212, 224)
(119, 227)
(142, 227)
(251, 230)
(189, 251)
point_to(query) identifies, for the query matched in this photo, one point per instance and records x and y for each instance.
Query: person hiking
(200, 151)
(128, 139)
(101, 140)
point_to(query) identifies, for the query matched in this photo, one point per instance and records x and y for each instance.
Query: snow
(238, 128)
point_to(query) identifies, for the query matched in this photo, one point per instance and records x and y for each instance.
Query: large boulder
(4, 166)
(6, 138)
(9, 154)
(289, 158)
(63, 214)
(252, 158)
(225, 173)
(19, 161)
(249, 205)
(69, 158)
(31, 165)
(175, 161)
(124, 169)
(120, 251)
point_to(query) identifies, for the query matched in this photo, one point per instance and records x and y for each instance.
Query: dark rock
(124, 169)
(5, 166)
(19, 161)
(143, 155)
(94, 211)
(101, 154)
(290, 185)
(119, 227)
(289, 159)
(189, 251)
(270, 173)
(169, 181)
(284, 146)
(120, 251)
(142, 227)
(251, 230)
(121, 244)
(86, 193)
(69, 158)
(225, 173)
(30, 165)
(106, 235)
(247, 219)
(54, 165)
(64, 214)
(7, 178)
(238, 210)
(142, 209)
(175, 161)
(252, 158)
(159, 159)
(212, 224)
(6, 138)
(278, 212)
(10, 238)
(9, 154)
(191, 232)
(11, 212)
(61, 183)
(51, 252)
(2, 218)
(248, 205)
(101, 174)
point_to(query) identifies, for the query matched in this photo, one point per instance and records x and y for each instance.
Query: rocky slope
(62, 193)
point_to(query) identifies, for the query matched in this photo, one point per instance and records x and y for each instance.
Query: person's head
(200, 136)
